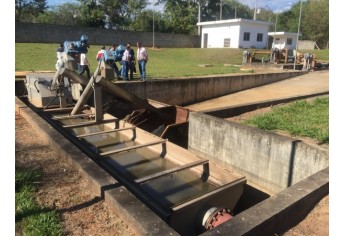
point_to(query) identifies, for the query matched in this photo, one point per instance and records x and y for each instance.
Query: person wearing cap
(59, 51)
(59, 55)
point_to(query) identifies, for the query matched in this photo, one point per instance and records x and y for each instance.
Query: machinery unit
(41, 94)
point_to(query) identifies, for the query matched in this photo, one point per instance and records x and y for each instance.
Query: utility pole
(299, 24)
(256, 5)
(153, 25)
(199, 14)
(275, 30)
(221, 9)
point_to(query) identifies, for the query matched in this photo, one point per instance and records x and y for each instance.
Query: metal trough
(190, 193)
(177, 185)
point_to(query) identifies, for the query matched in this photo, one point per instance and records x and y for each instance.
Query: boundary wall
(46, 33)
(270, 161)
(185, 91)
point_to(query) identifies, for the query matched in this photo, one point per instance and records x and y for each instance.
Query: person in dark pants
(125, 64)
(131, 63)
(84, 65)
(113, 61)
(142, 58)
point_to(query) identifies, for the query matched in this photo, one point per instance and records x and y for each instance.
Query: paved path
(311, 83)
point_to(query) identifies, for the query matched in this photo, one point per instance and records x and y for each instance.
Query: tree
(27, 10)
(314, 21)
(182, 16)
(231, 9)
(64, 14)
(92, 14)
(121, 13)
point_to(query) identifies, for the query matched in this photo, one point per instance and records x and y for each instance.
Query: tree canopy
(178, 16)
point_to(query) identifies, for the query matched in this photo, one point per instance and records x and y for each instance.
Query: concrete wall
(234, 29)
(45, 33)
(217, 34)
(306, 44)
(254, 30)
(185, 91)
(268, 160)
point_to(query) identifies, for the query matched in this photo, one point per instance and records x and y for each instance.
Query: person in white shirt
(142, 58)
(126, 58)
(84, 65)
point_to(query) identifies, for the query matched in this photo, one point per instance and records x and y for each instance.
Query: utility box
(41, 94)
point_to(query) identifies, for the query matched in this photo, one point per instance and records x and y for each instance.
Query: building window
(289, 41)
(227, 43)
(246, 36)
(259, 37)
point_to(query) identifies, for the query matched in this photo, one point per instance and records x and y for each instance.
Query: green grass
(322, 55)
(301, 118)
(163, 63)
(32, 219)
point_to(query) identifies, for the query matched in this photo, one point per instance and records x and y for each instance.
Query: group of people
(127, 59)
(125, 55)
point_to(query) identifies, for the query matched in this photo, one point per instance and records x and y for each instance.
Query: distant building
(282, 40)
(234, 33)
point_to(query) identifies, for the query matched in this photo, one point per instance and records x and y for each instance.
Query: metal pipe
(74, 76)
(88, 91)
(123, 94)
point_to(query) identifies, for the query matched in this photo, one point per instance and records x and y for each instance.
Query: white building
(282, 40)
(234, 33)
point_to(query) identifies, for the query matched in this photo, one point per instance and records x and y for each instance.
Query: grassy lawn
(301, 118)
(32, 219)
(163, 63)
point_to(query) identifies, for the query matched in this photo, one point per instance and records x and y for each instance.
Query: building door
(205, 40)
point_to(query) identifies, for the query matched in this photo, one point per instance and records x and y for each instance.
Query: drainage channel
(190, 194)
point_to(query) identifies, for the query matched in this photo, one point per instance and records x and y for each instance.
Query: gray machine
(42, 94)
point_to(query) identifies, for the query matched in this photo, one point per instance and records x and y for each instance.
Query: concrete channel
(285, 177)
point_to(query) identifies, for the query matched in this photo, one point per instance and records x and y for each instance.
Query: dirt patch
(62, 188)
(84, 213)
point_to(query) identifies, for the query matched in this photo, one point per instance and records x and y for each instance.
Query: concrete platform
(276, 214)
(312, 83)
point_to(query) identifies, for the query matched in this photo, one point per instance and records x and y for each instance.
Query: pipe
(124, 95)
(75, 76)
(83, 98)
(215, 216)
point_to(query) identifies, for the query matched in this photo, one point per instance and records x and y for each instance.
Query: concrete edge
(230, 111)
(136, 214)
(280, 212)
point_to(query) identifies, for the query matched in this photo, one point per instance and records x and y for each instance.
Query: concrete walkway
(315, 82)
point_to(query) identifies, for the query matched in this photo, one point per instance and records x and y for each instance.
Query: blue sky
(274, 5)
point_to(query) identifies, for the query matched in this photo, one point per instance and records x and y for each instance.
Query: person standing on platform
(100, 54)
(84, 65)
(142, 58)
(131, 62)
(125, 63)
